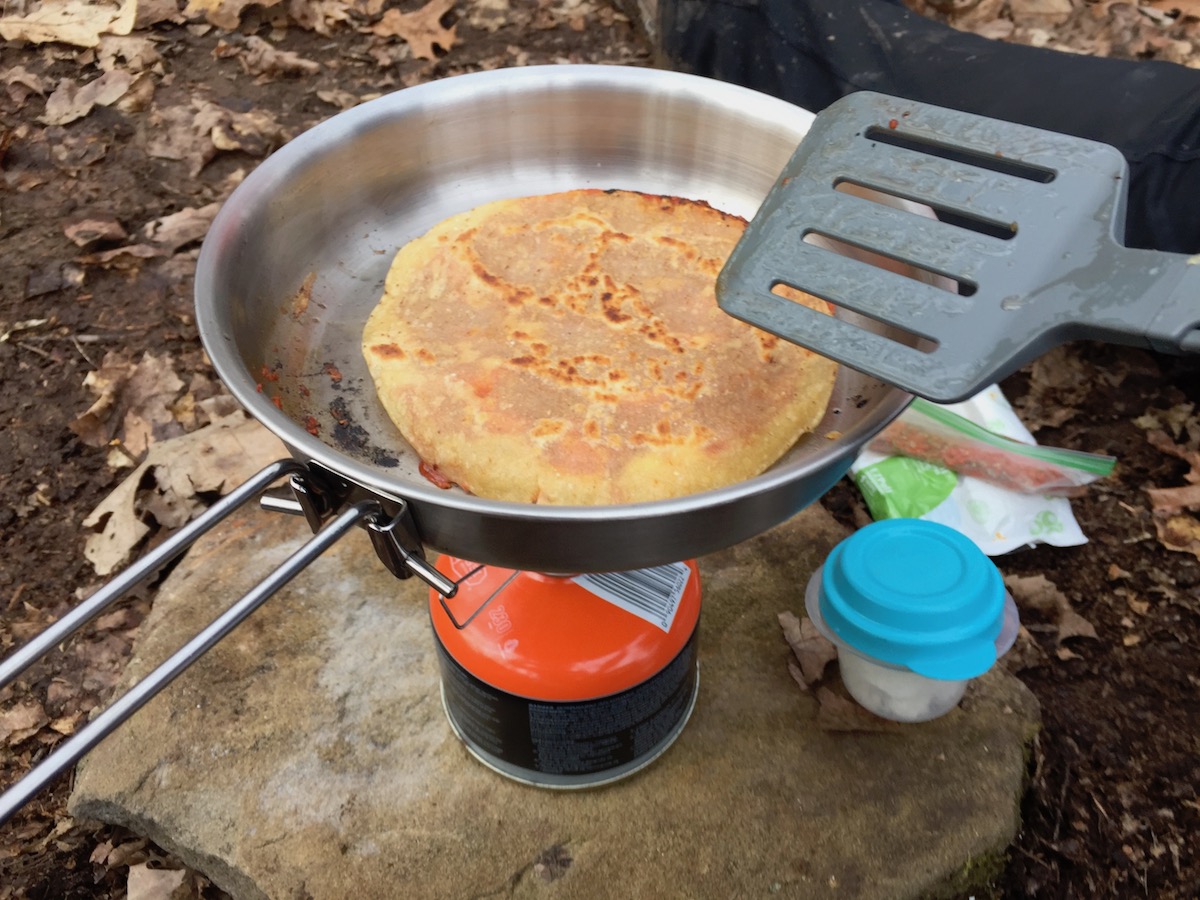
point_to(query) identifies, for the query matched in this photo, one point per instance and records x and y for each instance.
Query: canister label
(574, 737)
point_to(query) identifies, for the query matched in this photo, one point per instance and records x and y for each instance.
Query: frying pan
(296, 260)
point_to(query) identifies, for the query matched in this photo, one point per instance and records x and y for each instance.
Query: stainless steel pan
(296, 260)
(326, 214)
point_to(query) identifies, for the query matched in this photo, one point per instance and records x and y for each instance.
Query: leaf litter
(183, 449)
(1172, 508)
(812, 654)
(77, 22)
(1039, 593)
(422, 30)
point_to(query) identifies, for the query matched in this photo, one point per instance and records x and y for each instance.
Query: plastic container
(916, 610)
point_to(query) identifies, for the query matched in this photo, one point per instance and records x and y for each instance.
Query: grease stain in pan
(350, 436)
(334, 424)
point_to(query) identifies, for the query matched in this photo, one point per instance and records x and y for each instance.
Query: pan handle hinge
(310, 495)
(394, 537)
(398, 548)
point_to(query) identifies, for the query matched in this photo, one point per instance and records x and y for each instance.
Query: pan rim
(231, 368)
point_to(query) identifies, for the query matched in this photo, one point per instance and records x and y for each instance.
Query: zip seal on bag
(934, 434)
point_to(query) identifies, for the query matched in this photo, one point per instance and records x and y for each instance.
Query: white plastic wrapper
(996, 519)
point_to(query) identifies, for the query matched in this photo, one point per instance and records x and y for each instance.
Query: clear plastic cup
(916, 611)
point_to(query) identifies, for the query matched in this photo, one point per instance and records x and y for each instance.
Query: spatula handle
(1175, 327)
(1138, 297)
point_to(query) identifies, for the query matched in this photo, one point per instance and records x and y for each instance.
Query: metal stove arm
(80, 615)
(69, 752)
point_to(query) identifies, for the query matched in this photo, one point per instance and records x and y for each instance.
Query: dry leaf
(1039, 593)
(1180, 533)
(1045, 12)
(213, 459)
(838, 713)
(225, 14)
(1026, 653)
(1159, 440)
(89, 229)
(1187, 9)
(137, 397)
(195, 135)
(127, 258)
(138, 53)
(1035, 592)
(146, 883)
(70, 102)
(255, 132)
(66, 725)
(33, 83)
(151, 12)
(812, 649)
(1174, 499)
(421, 30)
(1072, 624)
(184, 133)
(122, 527)
(321, 15)
(51, 278)
(339, 98)
(93, 427)
(797, 674)
(100, 853)
(1058, 382)
(1177, 530)
(132, 852)
(180, 228)
(77, 22)
(22, 721)
(258, 57)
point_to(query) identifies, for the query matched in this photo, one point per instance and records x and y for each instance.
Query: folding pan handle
(80, 615)
(367, 510)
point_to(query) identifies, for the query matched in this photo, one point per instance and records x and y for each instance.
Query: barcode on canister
(651, 594)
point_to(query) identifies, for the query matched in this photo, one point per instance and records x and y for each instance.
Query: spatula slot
(1003, 230)
(868, 323)
(872, 257)
(993, 162)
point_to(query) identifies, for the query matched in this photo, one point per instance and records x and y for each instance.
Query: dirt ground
(107, 187)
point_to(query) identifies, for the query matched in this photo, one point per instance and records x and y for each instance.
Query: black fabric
(811, 52)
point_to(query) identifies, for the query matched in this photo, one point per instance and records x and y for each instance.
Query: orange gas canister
(563, 681)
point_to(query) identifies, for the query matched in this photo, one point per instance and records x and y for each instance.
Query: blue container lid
(915, 594)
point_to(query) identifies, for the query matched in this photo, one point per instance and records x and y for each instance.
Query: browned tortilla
(568, 349)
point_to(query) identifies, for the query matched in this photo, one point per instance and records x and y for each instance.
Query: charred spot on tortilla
(568, 349)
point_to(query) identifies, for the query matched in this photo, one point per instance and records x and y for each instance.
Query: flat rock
(308, 755)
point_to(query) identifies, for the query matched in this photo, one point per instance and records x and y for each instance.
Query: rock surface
(308, 755)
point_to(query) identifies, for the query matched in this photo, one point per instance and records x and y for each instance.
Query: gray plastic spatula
(1023, 254)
